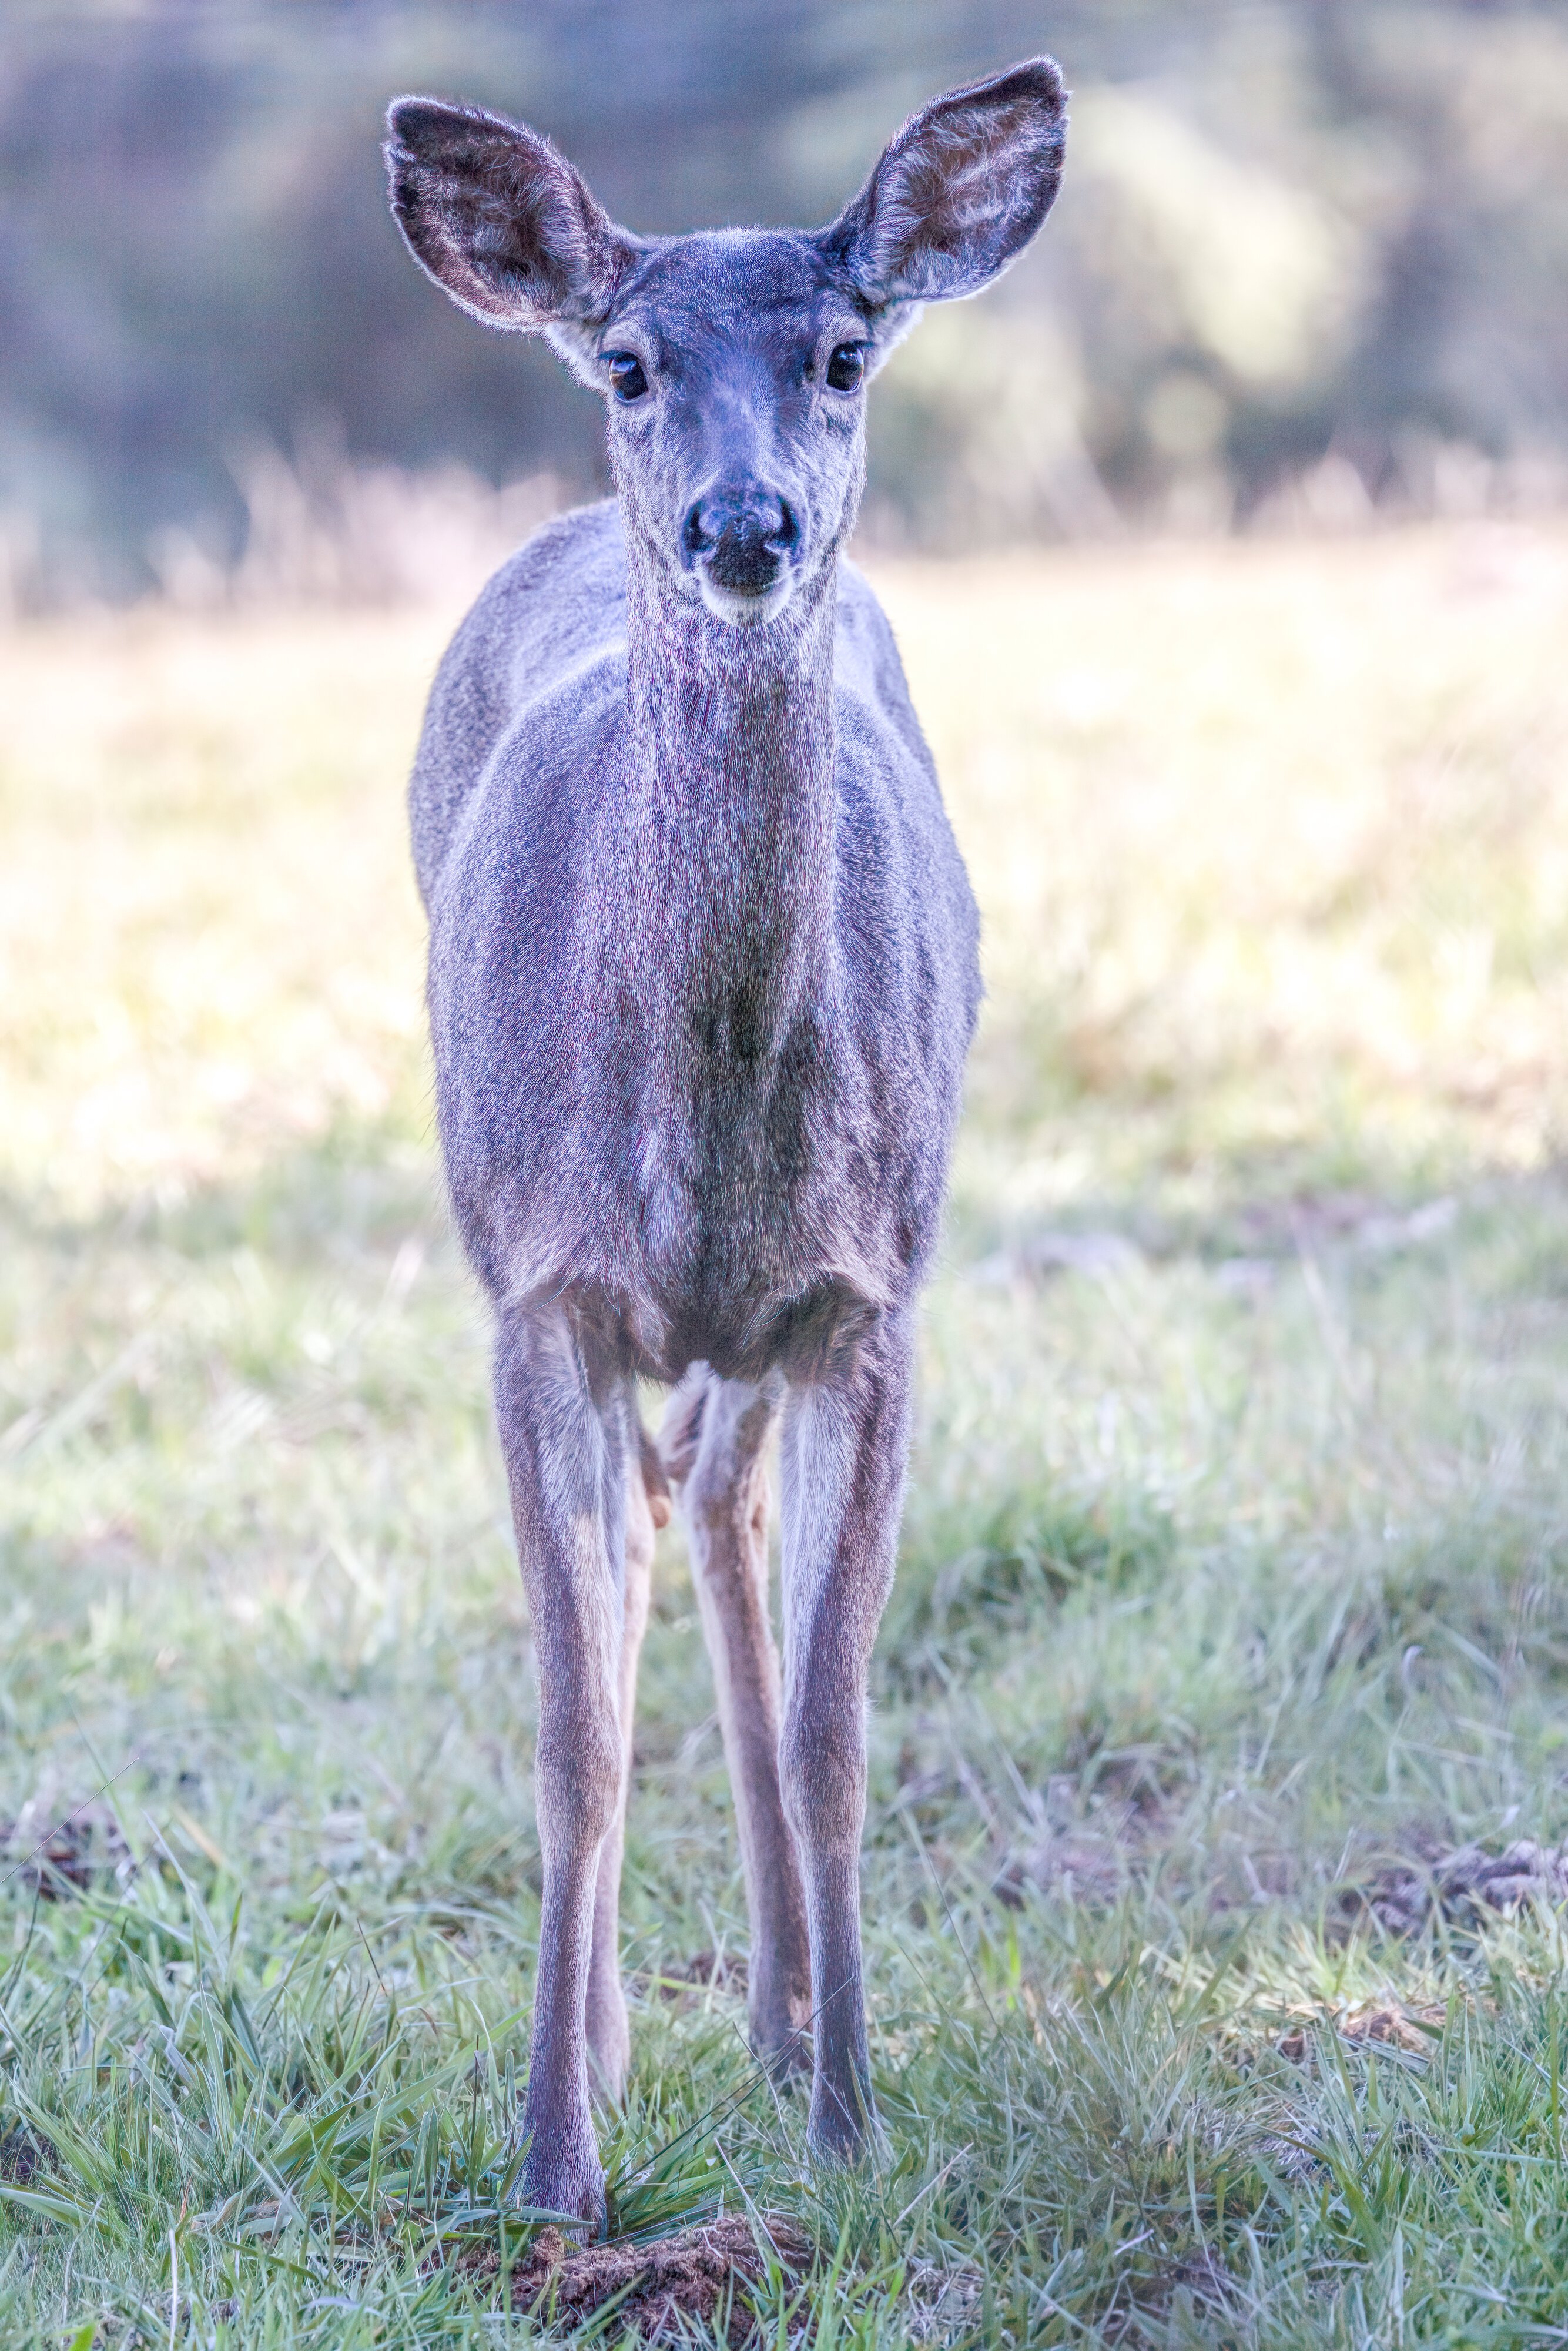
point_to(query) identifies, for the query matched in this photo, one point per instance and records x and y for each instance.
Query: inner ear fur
(500, 220)
(958, 193)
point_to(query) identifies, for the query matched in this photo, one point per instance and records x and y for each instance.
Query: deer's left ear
(958, 193)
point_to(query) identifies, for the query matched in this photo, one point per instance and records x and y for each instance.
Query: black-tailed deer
(703, 976)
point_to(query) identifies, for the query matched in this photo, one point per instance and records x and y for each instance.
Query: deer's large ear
(501, 221)
(958, 193)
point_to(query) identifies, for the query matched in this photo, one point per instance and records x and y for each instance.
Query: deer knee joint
(823, 1775)
(577, 1773)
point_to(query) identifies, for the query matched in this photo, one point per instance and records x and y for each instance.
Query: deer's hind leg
(846, 1439)
(713, 1440)
(647, 1506)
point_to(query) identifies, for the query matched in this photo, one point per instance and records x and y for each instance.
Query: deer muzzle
(743, 543)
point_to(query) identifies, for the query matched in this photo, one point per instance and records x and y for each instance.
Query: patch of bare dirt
(709, 2273)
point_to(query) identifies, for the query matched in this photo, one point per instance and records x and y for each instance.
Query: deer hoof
(575, 2190)
(837, 2136)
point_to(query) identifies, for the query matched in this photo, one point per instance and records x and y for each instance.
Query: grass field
(1234, 1588)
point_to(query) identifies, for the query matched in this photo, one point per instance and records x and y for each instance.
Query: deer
(703, 976)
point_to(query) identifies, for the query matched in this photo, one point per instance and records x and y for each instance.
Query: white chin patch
(746, 611)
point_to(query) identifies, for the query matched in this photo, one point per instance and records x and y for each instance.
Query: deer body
(703, 975)
(702, 979)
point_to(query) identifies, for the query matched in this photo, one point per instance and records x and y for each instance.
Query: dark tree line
(1289, 228)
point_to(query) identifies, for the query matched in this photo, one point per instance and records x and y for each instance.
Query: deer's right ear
(502, 222)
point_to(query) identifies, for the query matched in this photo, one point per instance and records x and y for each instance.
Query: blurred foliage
(1291, 231)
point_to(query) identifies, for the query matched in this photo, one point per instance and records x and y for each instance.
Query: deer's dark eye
(846, 368)
(627, 381)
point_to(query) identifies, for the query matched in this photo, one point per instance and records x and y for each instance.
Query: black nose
(743, 536)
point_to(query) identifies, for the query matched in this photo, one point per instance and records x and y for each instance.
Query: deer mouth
(743, 608)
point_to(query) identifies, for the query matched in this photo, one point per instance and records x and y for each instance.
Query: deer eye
(627, 381)
(846, 368)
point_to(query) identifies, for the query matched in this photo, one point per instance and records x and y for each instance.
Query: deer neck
(733, 822)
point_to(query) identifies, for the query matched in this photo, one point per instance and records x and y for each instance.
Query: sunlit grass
(1234, 1562)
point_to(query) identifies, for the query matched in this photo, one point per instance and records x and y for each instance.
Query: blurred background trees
(1311, 259)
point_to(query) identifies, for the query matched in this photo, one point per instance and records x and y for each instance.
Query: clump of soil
(68, 1856)
(1461, 1886)
(1415, 2029)
(705, 2273)
(20, 2157)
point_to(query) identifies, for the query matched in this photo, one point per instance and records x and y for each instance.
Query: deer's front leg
(845, 1443)
(565, 1461)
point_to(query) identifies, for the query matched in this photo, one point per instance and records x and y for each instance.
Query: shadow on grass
(355, 1185)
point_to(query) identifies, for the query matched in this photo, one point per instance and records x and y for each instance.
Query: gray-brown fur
(703, 975)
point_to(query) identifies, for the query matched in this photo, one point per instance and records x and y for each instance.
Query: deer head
(733, 364)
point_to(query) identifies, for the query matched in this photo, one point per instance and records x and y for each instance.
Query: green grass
(1235, 1568)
